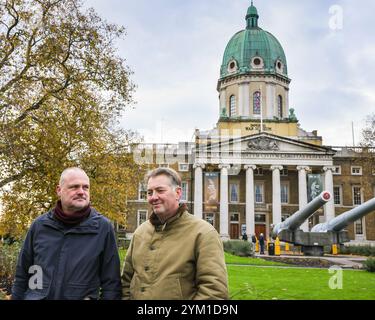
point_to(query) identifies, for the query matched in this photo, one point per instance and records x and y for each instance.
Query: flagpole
(261, 110)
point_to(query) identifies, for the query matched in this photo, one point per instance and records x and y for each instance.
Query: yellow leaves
(61, 87)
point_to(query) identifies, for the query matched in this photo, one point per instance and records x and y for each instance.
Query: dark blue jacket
(79, 262)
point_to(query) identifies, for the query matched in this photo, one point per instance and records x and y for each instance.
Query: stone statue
(292, 115)
(223, 113)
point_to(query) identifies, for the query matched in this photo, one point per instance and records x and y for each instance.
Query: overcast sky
(175, 49)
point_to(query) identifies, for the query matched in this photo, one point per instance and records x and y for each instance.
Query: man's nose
(80, 190)
(152, 196)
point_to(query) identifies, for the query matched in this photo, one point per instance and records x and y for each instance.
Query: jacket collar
(90, 225)
(155, 221)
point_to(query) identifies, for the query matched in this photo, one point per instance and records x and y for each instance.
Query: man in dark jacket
(69, 252)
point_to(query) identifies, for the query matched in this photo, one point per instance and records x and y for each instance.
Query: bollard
(277, 247)
(334, 249)
(287, 249)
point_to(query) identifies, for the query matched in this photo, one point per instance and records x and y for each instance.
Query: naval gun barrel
(295, 220)
(343, 220)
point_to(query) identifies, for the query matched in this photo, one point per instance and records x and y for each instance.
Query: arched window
(256, 102)
(232, 106)
(280, 106)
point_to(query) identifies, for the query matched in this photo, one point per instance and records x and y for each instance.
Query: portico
(275, 156)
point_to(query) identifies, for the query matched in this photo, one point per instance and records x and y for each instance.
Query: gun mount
(343, 220)
(323, 234)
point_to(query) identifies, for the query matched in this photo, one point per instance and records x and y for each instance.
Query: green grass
(122, 253)
(250, 283)
(232, 259)
(229, 259)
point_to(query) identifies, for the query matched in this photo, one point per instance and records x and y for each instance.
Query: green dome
(252, 11)
(242, 51)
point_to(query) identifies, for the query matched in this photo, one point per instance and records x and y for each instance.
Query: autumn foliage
(62, 90)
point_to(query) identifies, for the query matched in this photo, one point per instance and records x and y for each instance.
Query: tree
(368, 133)
(62, 90)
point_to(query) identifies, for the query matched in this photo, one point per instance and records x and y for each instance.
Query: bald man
(70, 252)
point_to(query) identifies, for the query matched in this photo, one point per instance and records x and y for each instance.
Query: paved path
(344, 261)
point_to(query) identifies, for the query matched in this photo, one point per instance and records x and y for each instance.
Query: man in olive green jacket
(173, 255)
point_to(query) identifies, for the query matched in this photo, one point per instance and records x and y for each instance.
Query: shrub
(239, 248)
(369, 264)
(359, 250)
(8, 260)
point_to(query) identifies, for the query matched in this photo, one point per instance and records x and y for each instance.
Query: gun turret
(343, 220)
(296, 220)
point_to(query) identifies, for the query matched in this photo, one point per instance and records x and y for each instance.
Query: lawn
(252, 282)
(249, 283)
(230, 259)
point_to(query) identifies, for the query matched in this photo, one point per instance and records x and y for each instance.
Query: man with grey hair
(173, 255)
(70, 252)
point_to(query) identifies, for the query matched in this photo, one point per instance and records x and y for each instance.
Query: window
(279, 66)
(337, 195)
(280, 106)
(164, 165)
(210, 218)
(357, 195)
(336, 170)
(257, 63)
(183, 167)
(258, 171)
(284, 188)
(233, 192)
(184, 194)
(259, 198)
(232, 106)
(284, 172)
(358, 226)
(356, 170)
(141, 216)
(232, 66)
(234, 217)
(260, 218)
(142, 191)
(256, 102)
(284, 216)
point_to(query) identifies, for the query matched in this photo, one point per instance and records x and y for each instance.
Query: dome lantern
(252, 17)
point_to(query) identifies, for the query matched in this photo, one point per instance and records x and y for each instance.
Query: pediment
(269, 143)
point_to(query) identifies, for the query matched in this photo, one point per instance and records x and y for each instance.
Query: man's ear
(179, 193)
(58, 190)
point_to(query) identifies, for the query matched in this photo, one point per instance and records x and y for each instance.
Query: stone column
(198, 190)
(241, 101)
(250, 207)
(270, 100)
(329, 207)
(224, 208)
(223, 102)
(302, 193)
(247, 100)
(276, 195)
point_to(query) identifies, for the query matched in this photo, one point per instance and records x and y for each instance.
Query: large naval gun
(288, 230)
(324, 234)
